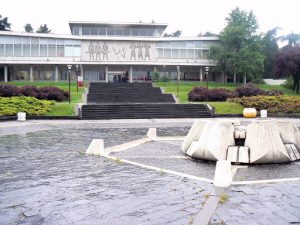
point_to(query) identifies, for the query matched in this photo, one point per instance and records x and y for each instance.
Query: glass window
(119, 31)
(190, 44)
(151, 32)
(94, 30)
(51, 47)
(182, 53)
(135, 32)
(159, 44)
(102, 30)
(190, 53)
(143, 32)
(175, 54)
(178, 44)
(1, 49)
(35, 50)
(126, 32)
(167, 53)
(110, 31)
(198, 54)
(76, 30)
(205, 54)
(60, 48)
(199, 44)
(85, 30)
(160, 53)
(9, 50)
(18, 46)
(26, 46)
(167, 44)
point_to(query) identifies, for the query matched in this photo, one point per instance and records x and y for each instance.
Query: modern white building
(104, 52)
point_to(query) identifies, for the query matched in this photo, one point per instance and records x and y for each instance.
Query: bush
(249, 90)
(155, 76)
(275, 104)
(212, 95)
(47, 93)
(258, 81)
(289, 83)
(274, 92)
(12, 105)
(9, 91)
(164, 79)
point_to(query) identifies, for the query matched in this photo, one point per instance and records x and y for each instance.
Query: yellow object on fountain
(249, 113)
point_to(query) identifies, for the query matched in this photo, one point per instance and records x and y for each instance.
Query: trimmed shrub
(274, 104)
(289, 83)
(213, 95)
(9, 91)
(249, 90)
(47, 93)
(12, 105)
(155, 76)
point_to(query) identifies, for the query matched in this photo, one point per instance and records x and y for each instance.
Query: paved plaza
(46, 178)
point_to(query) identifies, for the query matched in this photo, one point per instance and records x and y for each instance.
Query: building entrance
(118, 76)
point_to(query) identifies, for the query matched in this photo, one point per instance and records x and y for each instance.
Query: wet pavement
(46, 178)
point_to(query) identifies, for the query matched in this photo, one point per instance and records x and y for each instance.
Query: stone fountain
(261, 141)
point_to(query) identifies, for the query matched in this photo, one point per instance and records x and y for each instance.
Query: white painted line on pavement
(265, 181)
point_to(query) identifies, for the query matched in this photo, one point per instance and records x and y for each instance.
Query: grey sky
(189, 16)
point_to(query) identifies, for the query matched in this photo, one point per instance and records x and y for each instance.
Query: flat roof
(110, 23)
(107, 38)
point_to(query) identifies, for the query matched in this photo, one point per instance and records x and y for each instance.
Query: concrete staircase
(136, 101)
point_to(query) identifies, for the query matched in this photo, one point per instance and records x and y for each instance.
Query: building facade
(104, 52)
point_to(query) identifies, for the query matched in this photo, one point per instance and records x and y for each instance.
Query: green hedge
(275, 104)
(12, 105)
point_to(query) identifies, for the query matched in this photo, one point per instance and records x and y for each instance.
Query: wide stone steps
(144, 111)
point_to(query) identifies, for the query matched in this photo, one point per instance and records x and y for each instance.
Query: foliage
(155, 76)
(47, 93)
(288, 63)
(288, 84)
(4, 24)
(274, 104)
(214, 95)
(31, 106)
(207, 34)
(43, 29)
(240, 51)
(249, 90)
(174, 34)
(222, 94)
(28, 28)
(164, 79)
(292, 39)
(258, 81)
(270, 49)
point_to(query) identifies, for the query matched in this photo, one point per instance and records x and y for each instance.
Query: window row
(182, 53)
(11, 46)
(185, 44)
(116, 31)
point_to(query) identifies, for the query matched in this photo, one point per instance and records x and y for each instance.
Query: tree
(43, 29)
(174, 34)
(28, 28)
(288, 63)
(292, 39)
(4, 24)
(240, 52)
(207, 34)
(270, 49)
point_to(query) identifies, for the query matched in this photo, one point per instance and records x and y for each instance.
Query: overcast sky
(189, 16)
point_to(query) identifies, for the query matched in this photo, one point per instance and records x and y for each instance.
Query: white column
(56, 73)
(130, 74)
(5, 73)
(106, 74)
(201, 74)
(31, 73)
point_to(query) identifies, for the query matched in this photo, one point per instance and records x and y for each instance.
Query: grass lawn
(60, 108)
(220, 107)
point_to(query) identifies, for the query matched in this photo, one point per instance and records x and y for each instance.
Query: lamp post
(69, 78)
(77, 73)
(178, 77)
(207, 70)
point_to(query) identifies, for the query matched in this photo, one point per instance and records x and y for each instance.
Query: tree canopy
(43, 29)
(174, 34)
(207, 34)
(28, 28)
(240, 52)
(4, 24)
(288, 63)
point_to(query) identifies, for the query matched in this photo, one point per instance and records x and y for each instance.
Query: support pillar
(234, 78)
(106, 74)
(31, 73)
(56, 73)
(201, 74)
(223, 77)
(5, 73)
(130, 74)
